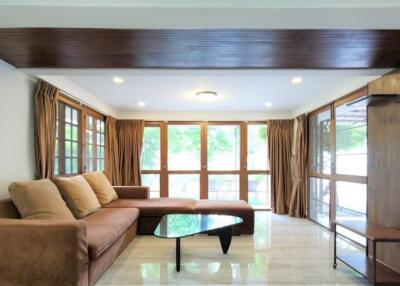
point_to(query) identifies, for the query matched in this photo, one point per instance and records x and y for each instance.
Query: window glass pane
(351, 200)
(153, 182)
(259, 191)
(75, 116)
(89, 151)
(98, 125)
(68, 114)
(90, 122)
(56, 166)
(68, 167)
(74, 149)
(223, 187)
(351, 140)
(75, 133)
(56, 148)
(98, 152)
(184, 147)
(90, 165)
(68, 131)
(68, 152)
(184, 186)
(223, 147)
(320, 144)
(319, 200)
(74, 166)
(90, 137)
(151, 148)
(257, 154)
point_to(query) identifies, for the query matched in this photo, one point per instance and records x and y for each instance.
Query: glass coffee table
(182, 225)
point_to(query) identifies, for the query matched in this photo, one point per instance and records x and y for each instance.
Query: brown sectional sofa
(49, 252)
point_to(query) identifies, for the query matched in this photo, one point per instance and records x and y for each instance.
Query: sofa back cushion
(78, 194)
(39, 200)
(101, 187)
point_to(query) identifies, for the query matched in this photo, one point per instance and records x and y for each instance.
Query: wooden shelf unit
(376, 272)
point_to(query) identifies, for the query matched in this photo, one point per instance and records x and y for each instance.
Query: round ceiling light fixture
(297, 80)
(268, 104)
(118, 80)
(206, 96)
(141, 104)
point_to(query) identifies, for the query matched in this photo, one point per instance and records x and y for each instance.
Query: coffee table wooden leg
(225, 237)
(178, 254)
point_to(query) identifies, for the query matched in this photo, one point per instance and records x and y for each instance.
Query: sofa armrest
(43, 252)
(132, 192)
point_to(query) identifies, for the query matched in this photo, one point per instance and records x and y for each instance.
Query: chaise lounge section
(57, 252)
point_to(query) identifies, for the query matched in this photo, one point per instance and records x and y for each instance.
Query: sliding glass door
(207, 160)
(223, 161)
(184, 160)
(338, 163)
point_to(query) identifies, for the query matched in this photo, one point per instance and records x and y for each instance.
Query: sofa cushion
(78, 194)
(223, 207)
(155, 207)
(105, 226)
(39, 200)
(101, 187)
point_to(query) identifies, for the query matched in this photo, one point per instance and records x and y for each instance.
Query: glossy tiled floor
(283, 251)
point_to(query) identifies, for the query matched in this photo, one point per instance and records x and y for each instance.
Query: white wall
(16, 127)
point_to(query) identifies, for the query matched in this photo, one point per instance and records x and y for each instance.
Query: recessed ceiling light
(141, 104)
(297, 80)
(118, 80)
(268, 104)
(206, 96)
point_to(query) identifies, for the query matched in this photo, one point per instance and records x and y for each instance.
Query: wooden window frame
(83, 111)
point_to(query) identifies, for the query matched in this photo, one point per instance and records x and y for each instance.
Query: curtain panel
(279, 146)
(112, 170)
(45, 103)
(299, 197)
(126, 145)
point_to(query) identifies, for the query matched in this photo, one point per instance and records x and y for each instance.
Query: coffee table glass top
(181, 225)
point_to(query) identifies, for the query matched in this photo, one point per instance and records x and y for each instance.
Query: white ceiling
(240, 90)
(185, 14)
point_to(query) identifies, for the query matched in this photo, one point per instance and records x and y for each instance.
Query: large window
(80, 139)
(320, 166)
(338, 163)
(207, 160)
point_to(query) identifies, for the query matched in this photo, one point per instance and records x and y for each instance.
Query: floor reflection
(282, 251)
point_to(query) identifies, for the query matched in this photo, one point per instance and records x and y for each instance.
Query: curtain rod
(82, 102)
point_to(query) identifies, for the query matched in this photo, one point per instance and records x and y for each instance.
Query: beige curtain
(130, 141)
(279, 146)
(299, 199)
(45, 128)
(112, 170)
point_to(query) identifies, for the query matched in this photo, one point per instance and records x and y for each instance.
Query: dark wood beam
(114, 48)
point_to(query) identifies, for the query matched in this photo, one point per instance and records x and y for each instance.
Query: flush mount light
(206, 95)
(268, 104)
(297, 80)
(141, 104)
(118, 80)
